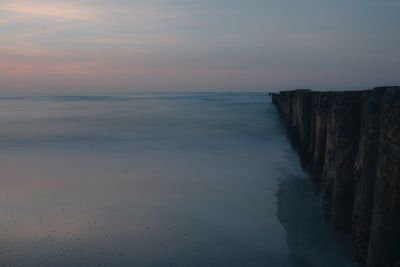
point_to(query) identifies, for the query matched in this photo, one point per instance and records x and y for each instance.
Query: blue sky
(178, 45)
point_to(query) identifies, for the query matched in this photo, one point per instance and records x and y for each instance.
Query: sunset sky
(204, 45)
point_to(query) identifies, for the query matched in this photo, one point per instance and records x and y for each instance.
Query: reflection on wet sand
(312, 242)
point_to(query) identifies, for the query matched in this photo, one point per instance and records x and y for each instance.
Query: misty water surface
(155, 180)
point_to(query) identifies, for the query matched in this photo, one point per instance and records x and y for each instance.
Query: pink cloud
(55, 10)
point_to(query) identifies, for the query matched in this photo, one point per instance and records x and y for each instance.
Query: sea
(154, 180)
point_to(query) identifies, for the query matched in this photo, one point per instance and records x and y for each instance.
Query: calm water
(155, 180)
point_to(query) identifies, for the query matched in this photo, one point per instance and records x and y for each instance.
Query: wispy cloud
(77, 26)
(54, 10)
(158, 42)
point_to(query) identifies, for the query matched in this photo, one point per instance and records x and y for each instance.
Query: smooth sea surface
(156, 179)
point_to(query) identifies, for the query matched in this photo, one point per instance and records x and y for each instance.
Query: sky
(202, 45)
